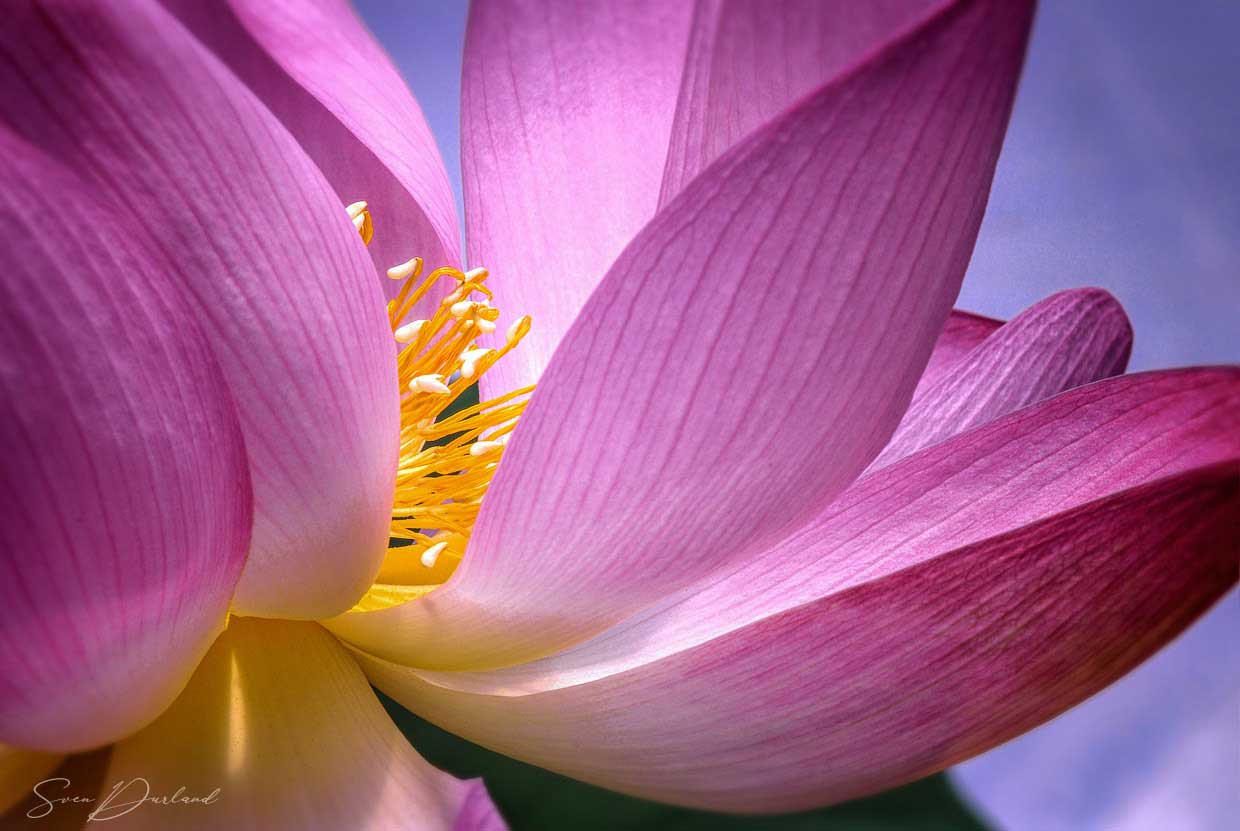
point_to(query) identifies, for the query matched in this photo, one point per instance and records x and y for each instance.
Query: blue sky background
(1121, 170)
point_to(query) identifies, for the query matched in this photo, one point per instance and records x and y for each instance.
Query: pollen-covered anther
(408, 331)
(360, 216)
(409, 268)
(481, 448)
(431, 555)
(429, 383)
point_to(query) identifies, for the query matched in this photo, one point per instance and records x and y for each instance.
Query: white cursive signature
(126, 795)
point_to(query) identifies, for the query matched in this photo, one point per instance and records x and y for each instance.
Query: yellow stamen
(447, 458)
(362, 221)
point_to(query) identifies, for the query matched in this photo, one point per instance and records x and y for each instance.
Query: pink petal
(747, 62)
(565, 111)
(324, 76)
(944, 605)
(126, 500)
(1069, 339)
(742, 362)
(271, 266)
(280, 719)
(961, 333)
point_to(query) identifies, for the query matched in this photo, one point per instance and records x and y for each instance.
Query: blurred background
(1121, 170)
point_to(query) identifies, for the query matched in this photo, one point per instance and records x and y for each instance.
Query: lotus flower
(776, 528)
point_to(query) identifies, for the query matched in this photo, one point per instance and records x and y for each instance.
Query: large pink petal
(124, 490)
(748, 61)
(742, 362)
(273, 270)
(1071, 338)
(280, 719)
(319, 70)
(565, 115)
(943, 605)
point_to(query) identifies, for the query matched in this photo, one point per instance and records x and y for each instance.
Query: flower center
(449, 447)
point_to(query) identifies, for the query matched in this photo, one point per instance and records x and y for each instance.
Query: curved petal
(804, 274)
(565, 115)
(961, 333)
(747, 62)
(281, 721)
(267, 258)
(477, 812)
(323, 75)
(78, 781)
(1071, 338)
(945, 604)
(20, 770)
(1157, 744)
(124, 493)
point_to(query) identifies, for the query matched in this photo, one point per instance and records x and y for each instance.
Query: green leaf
(536, 799)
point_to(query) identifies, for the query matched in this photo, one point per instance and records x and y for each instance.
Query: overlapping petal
(566, 110)
(327, 80)
(746, 62)
(1071, 338)
(944, 604)
(20, 770)
(77, 779)
(961, 333)
(745, 358)
(125, 497)
(273, 270)
(280, 719)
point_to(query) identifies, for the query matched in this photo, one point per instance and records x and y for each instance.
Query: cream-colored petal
(61, 798)
(280, 719)
(19, 770)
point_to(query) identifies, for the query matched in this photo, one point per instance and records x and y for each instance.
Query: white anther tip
(462, 308)
(431, 555)
(400, 272)
(514, 331)
(355, 210)
(468, 369)
(480, 448)
(359, 221)
(472, 355)
(429, 383)
(485, 325)
(475, 275)
(409, 331)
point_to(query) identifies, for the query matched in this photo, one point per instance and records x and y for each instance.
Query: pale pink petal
(1069, 339)
(323, 75)
(746, 357)
(270, 263)
(749, 61)
(124, 495)
(565, 115)
(477, 812)
(280, 719)
(961, 333)
(945, 604)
